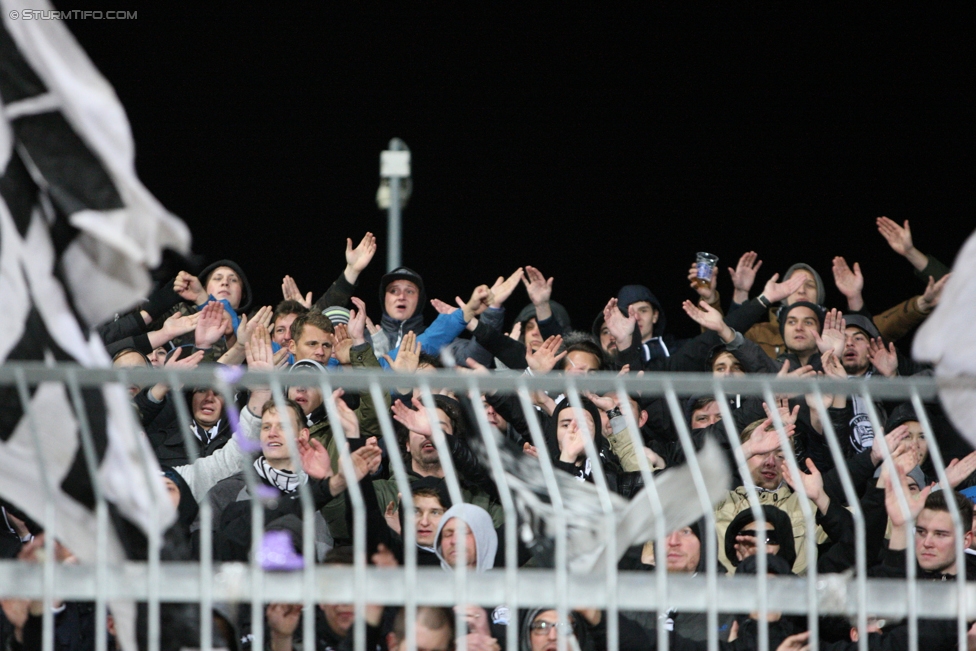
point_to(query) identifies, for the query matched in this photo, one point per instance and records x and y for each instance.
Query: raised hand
(916, 501)
(783, 407)
(776, 291)
(348, 418)
(958, 470)
(572, 442)
(850, 283)
(885, 360)
(933, 292)
(709, 318)
(390, 515)
(763, 440)
(833, 337)
(706, 292)
(832, 365)
(187, 363)
(211, 325)
(262, 320)
(480, 300)
(343, 344)
(504, 287)
(372, 327)
(620, 325)
(357, 322)
(516, 331)
(798, 642)
(290, 291)
(899, 238)
(188, 287)
(545, 357)
(893, 439)
(357, 259)
(803, 371)
(744, 275)
(415, 420)
(442, 307)
(408, 357)
(179, 324)
(316, 461)
(812, 484)
(538, 288)
(258, 353)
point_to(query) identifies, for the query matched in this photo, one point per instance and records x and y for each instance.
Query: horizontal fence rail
(563, 588)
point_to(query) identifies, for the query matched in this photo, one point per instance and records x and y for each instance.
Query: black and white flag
(78, 233)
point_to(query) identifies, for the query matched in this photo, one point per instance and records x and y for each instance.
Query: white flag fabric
(948, 340)
(78, 234)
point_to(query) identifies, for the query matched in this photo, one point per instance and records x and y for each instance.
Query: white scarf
(284, 480)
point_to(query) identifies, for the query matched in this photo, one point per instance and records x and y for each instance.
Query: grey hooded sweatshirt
(479, 522)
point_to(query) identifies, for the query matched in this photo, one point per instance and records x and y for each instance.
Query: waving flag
(78, 234)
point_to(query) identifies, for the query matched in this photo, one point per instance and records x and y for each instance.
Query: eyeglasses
(542, 627)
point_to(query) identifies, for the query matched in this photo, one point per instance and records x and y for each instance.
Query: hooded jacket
(479, 522)
(393, 330)
(777, 519)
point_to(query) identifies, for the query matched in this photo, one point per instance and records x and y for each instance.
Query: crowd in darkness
(212, 317)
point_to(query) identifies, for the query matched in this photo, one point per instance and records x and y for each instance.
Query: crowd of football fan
(785, 329)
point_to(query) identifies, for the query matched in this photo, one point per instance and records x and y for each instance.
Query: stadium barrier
(205, 582)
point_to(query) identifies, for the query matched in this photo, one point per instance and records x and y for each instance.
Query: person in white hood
(481, 543)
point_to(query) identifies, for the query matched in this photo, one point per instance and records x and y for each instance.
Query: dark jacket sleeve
(509, 351)
(838, 524)
(139, 342)
(752, 357)
(693, 356)
(550, 327)
(861, 470)
(463, 349)
(934, 268)
(127, 325)
(377, 530)
(746, 315)
(338, 293)
(509, 407)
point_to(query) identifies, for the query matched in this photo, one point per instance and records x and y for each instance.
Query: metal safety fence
(156, 582)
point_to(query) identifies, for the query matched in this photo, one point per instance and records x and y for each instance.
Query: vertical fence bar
(600, 479)
(957, 523)
(755, 506)
(911, 585)
(657, 508)
(101, 511)
(147, 461)
(308, 513)
(354, 494)
(810, 522)
(206, 514)
(853, 500)
(508, 507)
(454, 489)
(711, 553)
(559, 523)
(50, 528)
(399, 470)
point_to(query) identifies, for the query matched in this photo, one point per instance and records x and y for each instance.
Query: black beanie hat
(630, 294)
(403, 273)
(246, 295)
(786, 309)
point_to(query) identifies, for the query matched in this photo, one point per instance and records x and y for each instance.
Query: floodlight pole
(394, 169)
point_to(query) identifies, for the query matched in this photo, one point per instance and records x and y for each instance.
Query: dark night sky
(604, 148)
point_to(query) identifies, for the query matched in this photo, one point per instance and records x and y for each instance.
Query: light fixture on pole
(393, 194)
